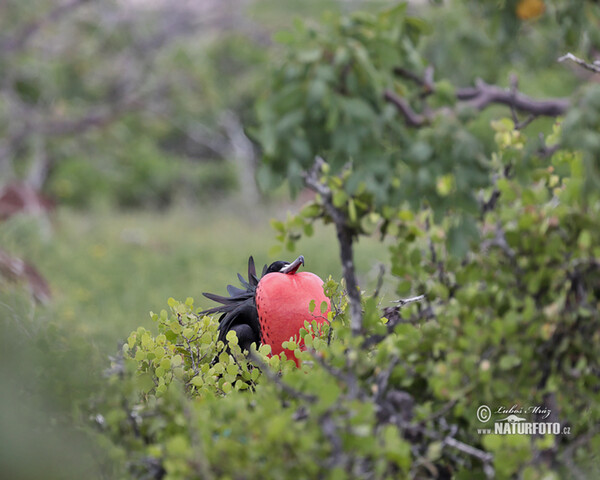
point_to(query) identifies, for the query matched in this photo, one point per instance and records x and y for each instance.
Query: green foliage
(327, 97)
(126, 110)
(512, 323)
(502, 241)
(230, 410)
(581, 132)
(186, 349)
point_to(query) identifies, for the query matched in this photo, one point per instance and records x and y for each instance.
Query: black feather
(239, 309)
(243, 281)
(234, 291)
(244, 314)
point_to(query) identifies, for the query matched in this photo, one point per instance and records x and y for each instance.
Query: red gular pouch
(283, 305)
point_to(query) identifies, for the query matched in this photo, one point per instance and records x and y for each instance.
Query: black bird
(271, 309)
(239, 312)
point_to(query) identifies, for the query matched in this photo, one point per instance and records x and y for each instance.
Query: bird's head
(285, 267)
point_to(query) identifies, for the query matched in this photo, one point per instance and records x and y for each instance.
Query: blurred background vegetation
(137, 123)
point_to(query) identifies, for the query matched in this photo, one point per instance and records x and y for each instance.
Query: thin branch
(546, 151)
(592, 67)
(380, 276)
(566, 456)
(480, 97)
(485, 457)
(393, 316)
(406, 301)
(426, 83)
(345, 239)
(412, 118)
(346, 377)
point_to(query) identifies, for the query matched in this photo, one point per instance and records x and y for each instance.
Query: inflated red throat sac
(272, 309)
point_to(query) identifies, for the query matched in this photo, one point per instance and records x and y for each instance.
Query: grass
(108, 269)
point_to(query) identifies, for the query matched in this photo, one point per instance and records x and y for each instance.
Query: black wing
(239, 310)
(243, 320)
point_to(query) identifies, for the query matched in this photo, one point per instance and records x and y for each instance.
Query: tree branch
(412, 118)
(479, 97)
(345, 239)
(484, 95)
(592, 67)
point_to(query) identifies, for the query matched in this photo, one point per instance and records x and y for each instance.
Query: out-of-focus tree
(125, 101)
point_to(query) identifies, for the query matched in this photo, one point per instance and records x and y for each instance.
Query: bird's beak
(292, 267)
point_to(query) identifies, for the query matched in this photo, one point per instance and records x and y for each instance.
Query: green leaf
(324, 306)
(145, 383)
(339, 198)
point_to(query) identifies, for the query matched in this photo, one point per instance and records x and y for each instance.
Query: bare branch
(480, 97)
(406, 301)
(427, 82)
(345, 239)
(566, 456)
(243, 154)
(592, 67)
(379, 280)
(412, 118)
(484, 95)
(546, 151)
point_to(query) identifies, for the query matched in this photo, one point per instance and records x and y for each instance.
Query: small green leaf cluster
(187, 349)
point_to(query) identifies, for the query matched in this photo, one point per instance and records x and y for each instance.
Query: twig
(406, 301)
(566, 456)
(393, 316)
(426, 82)
(519, 125)
(547, 151)
(379, 280)
(383, 379)
(499, 241)
(485, 457)
(346, 377)
(593, 67)
(412, 118)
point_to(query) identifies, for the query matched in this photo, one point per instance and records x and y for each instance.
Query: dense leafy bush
(512, 323)
(501, 241)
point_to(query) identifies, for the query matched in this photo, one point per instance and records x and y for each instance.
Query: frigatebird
(272, 309)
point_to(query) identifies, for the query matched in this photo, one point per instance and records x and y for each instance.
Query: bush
(512, 323)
